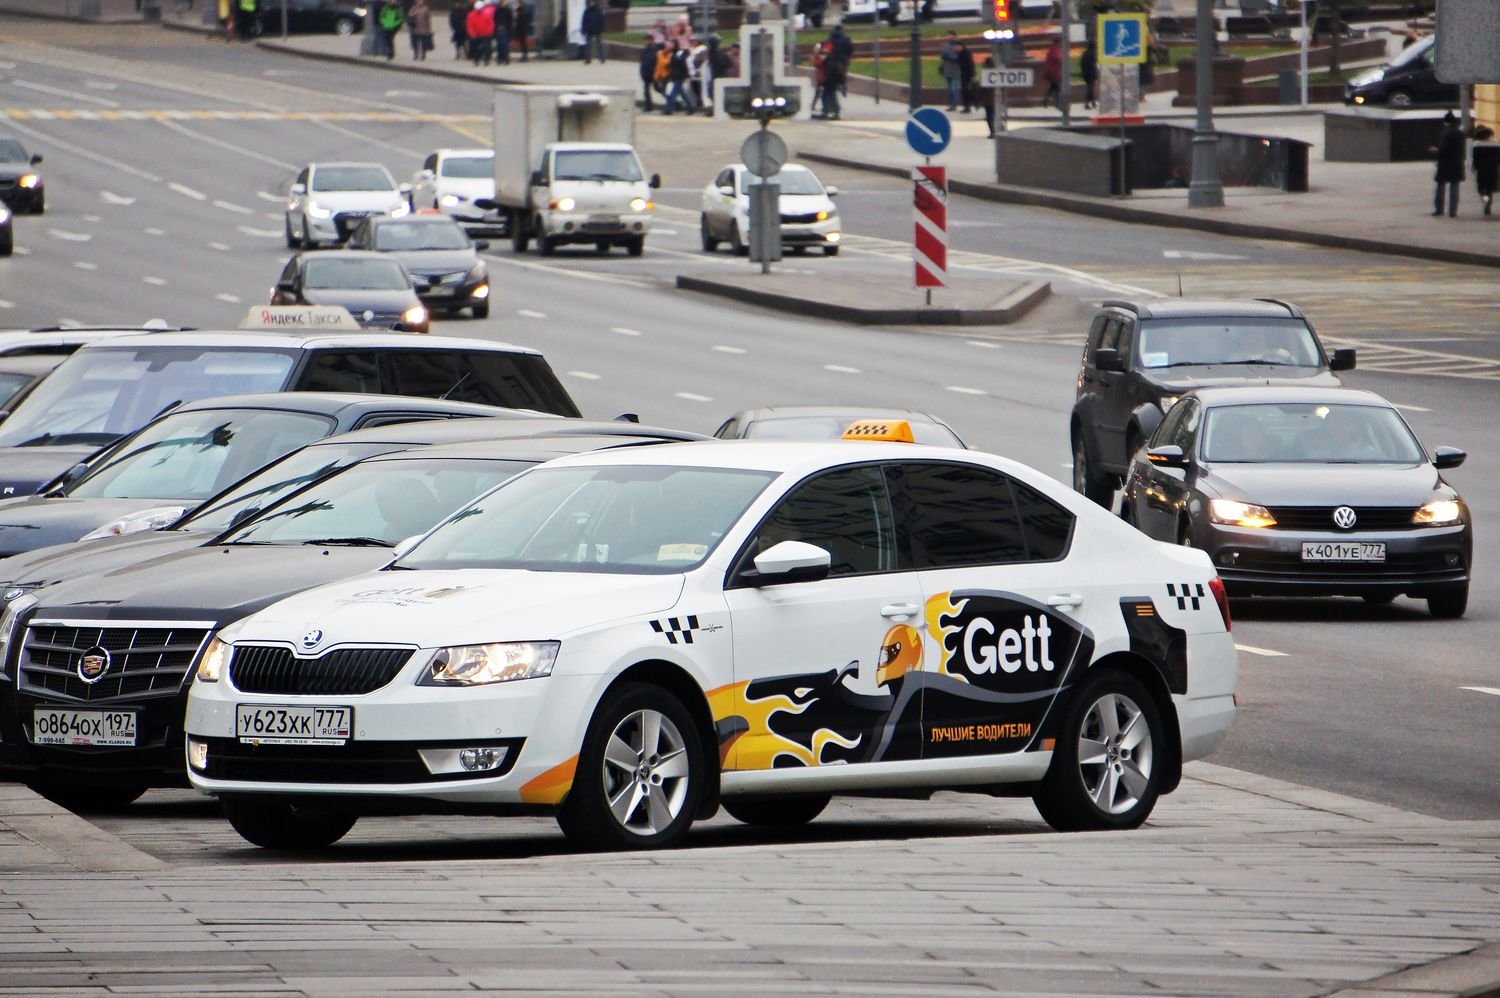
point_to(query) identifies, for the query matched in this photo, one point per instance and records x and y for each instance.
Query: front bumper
(581, 227)
(480, 223)
(22, 199)
(813, 234)
(454, 296)
(155, 759)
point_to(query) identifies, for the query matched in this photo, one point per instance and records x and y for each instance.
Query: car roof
(784, 167)
(319, 164)
(282, 340)
(542, 448)
(575, 146)
(1189, 308)
(334, 403)
(342, 254)
(851, 412)
(439, 219)
(475, 152)
(1268, 394)
(31, 363)
(784, 456)
(504, 425)
(14, 341)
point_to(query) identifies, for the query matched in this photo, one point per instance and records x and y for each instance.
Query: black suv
(1141, 356)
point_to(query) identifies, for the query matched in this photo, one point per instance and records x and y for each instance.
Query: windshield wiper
(353, 542)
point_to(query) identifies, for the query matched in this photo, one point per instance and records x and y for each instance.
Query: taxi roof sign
(298, 317)
(891, 430)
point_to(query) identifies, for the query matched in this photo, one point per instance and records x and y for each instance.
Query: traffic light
(998, 13)
(740, 101)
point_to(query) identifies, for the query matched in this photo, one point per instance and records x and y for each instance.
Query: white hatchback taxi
(630, 639)
(809, 217)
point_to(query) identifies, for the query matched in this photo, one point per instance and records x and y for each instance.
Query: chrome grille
(145, 661)
(341, 672)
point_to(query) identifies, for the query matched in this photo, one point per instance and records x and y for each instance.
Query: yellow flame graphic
(940, 606)
(758, 746)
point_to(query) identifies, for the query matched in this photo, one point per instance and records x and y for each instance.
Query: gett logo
(1011, 649)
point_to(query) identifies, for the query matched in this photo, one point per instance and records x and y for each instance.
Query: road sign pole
(1205, 189)
(877, 56)
(1124, 190)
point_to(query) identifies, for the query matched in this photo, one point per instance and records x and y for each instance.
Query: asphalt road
(167, 158)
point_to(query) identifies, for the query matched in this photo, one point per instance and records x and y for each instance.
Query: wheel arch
(1152, 677)
(678, 682)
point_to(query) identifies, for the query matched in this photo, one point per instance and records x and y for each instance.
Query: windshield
(436, 235)
(1309, 432)
(360, 273)
(640, 520)
(11, 152)
(469, 167)
(193, 455)
(596, 164)
(381, 502)
(273, 483)
(12, 382)
(1413, 53)
(791, 181)
(97, 395)
(833, 427)
(1184, 342)
(352, 178)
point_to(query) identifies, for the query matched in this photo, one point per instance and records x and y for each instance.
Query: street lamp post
(1205, 190)
(914, 98)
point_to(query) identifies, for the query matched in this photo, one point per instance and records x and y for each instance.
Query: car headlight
(28, 180)
(415, 316)
(147, 519)
(1439, 513)
(450, 200)
(1239, 514)
(822, 216)
(400, 208)
(318, 211)
(482, 291)
(4, 213)
(639, 204)
(10, 619)
(479, 665)
(562, 204)
(1167, 401)
(215, 657)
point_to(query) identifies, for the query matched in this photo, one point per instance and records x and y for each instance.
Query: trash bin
(1288, 91)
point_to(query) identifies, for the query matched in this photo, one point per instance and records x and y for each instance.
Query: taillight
(1216, 586)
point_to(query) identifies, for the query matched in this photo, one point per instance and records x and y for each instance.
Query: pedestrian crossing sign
(1122, 39)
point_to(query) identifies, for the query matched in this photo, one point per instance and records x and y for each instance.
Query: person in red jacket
(481, 26)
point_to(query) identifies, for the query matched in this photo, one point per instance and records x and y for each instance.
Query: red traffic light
(1000, 12)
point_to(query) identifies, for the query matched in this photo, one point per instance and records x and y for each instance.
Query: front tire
(736, 241)
(481, 311)
(1449, 604)
(1399, 98)
(640, 775)
(710, 243)
(344, 26)
(777, 812)
(292, 242)
(1085, 479)
(830, 251)
(1107, 768)
(287, 826)
(635, 245)
(39, 205)
(546, 245)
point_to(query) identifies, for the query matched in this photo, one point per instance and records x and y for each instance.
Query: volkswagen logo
(369, 315)
(94, 664)
(311, 638)
(1344, 517)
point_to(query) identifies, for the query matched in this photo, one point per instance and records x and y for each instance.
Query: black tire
(1088, 481)
(799, 251)
(7, 246)
(710, 242)
(602, 246)
(1399, 98)
(664, 787)
(635, 245)
(520, 233)
(736, 241)
(777, 812)
(481, 311)
(830, 251)
(1449, 604)
(546, 245)
(39, 206)
(1128, 772)
(292, 242)
(274, 824)
(344, 26)
(89, 798)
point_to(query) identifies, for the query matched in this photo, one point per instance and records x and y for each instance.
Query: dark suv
(1141, 356)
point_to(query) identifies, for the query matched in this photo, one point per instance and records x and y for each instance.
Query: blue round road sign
(928, 131)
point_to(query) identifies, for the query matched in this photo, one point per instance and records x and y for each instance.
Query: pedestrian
(592, 25)
(966, 74)
(698, 72)
(247, 19)
(718, 66)
(390, 19)
(419, 20)
(226, 19)
(833, 82)
(679, 72)
(481, 27)
(948, 67)
(525, 17)
(733, 54)
(1088, 67)
(1486, 165)
(505, 22)
(1052, 74)
(1450, 165)
(662, 75)
(458, 31)
(647, 67)
(843, 51)
(820, 73)
(989, 104)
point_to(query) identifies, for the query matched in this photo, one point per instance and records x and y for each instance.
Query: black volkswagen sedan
(375, 288)
(21, 184)
(1306, 491)
(437, 253)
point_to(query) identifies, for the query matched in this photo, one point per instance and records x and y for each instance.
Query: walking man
(1450, 165)
(593, 31)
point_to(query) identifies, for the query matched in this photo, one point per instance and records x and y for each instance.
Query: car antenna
(462, 378)
(1179, 284)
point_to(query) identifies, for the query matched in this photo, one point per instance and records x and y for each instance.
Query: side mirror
(36, 159)
(299, 188)
(655, 181)
(790, 561)
(726, 190)
(404, 189)
(1167, 456)
(831, 191)
(1109, 359)
(1448, 457)
(404, 548)
(426, 175)
(1342, 359)
(538, 179)
(481, 245)
(485, 204)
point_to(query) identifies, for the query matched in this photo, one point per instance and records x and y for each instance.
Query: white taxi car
(808, 214)
(451, 180)
(326, 199)
(630, 639)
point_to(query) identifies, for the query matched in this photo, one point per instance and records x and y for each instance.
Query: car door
(1120, 392)
(721, 205)
(820, 667)
(1003, 604)
(1163, 492)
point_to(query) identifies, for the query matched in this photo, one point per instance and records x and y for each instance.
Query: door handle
(1065, 599)
(899, 610)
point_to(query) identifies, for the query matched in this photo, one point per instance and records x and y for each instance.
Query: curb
(1012, 307)
(389, 64)
(1475, 974)
(1116, 211)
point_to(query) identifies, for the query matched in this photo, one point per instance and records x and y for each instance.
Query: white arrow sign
(1005, 77)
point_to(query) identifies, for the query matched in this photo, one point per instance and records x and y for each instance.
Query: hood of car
(223, 582)
(437, 261)
(37, 521)
(1179, 380)
(10, 171)
(357, 200)
(467, 188)
(474, 606)
(66, 562)
(1318, 484)
(23, 470)
(357, 300)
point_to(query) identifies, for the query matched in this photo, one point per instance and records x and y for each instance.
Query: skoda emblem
(311, 638)
(94, 664)
(1344, 517)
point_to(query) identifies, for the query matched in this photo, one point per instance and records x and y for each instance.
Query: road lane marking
(238, 150)
(983, 345)
(1195, 255)
(7, 304)
(109, 197)
(1492, 691)
(734, 350)
(89, 154)
(221, 247)
(42, 88)
(85, 265)
(92, 218)
(187, 191)
(157, 281)
(570, 273)
(262, 233)
(1262, 652)
(624, 330)
(70, 237)
(691, 397)
(231, 299)
(268, 196)
(840, 369)
(530, 314)
(585, 375)
(964, 391)
(154, 232)
(100, 85)
(237, 209)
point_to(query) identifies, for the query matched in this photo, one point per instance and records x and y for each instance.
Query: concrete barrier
(1380, 135)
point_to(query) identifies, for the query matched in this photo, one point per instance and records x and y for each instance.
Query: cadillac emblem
(311, 639)
(94, 664)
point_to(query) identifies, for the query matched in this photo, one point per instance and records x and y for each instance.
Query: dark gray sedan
(1306, 492)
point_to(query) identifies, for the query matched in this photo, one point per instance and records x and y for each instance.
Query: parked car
(808, 215)
(376, 288)
(22, 188)
(326, 198)
(1407, 80)
(830, 422)
(20, 374)
(1140, 356)
(312, 17)
(1306, 492)
(438, 255)
(451, 180)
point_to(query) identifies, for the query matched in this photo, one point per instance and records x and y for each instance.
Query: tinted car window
(845, 512)
(955, 515)
(469, 167)
(352, 178)
(1168, 428)
(341, 371)
(362, 274)
(1186, 429)
(518, 380)
(272, 483)
(1239, 340)
(421, 235)
(1048, 526)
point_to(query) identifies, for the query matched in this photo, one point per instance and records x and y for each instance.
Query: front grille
(353, 762)
(456, 277)
(7, 183)
(377, 319)
(1366, 518)
(806, 218)
(341, 672)
(602, 227)
(144, 661)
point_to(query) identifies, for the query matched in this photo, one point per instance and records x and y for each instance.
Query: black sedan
(21, 185)
(312, 17)
(95, 714)
(176, 461)
(1306, 491)
(375, 288)
(437, 253)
